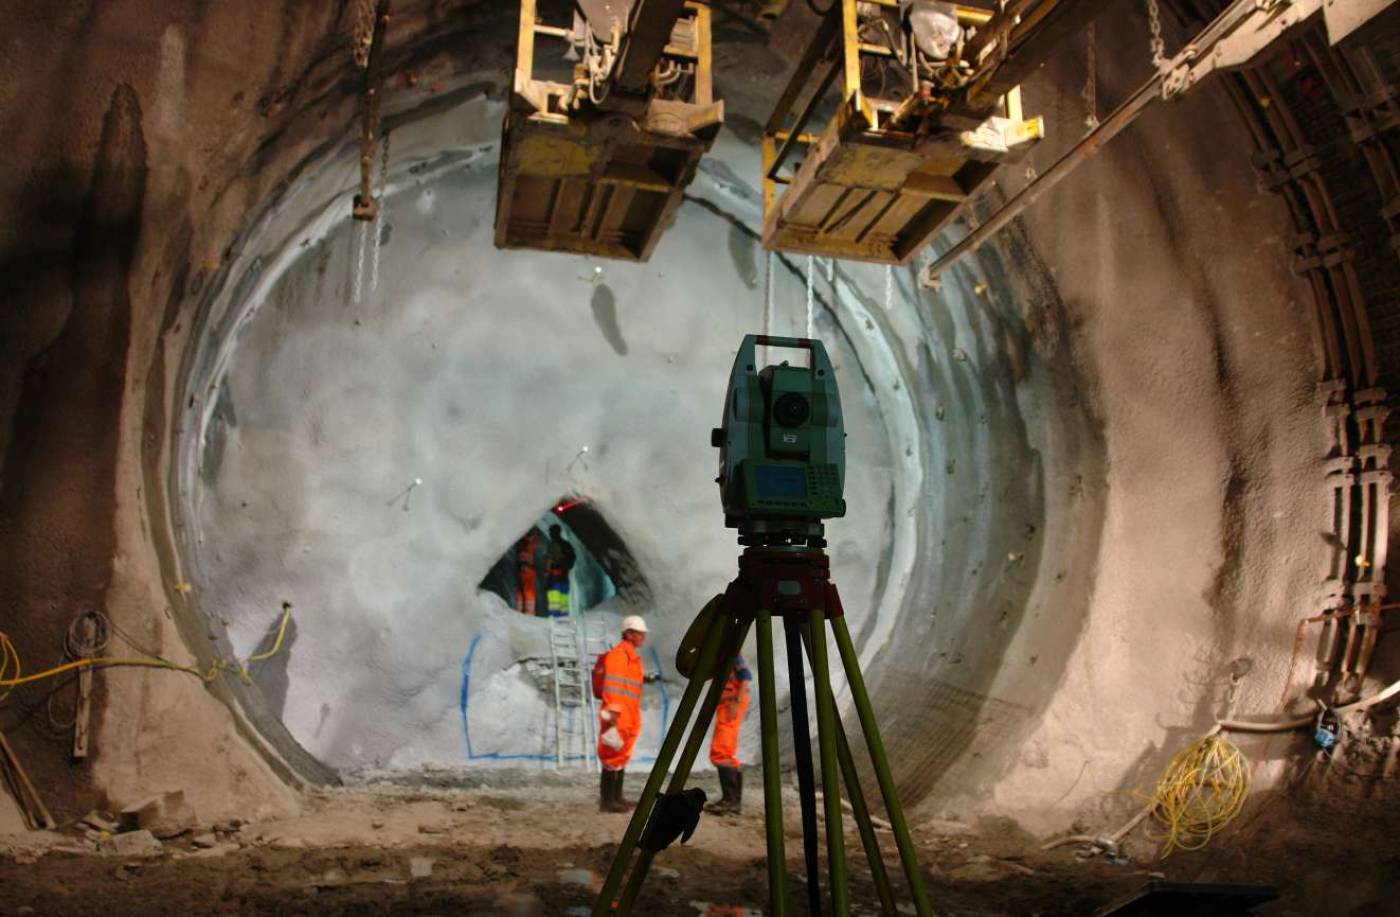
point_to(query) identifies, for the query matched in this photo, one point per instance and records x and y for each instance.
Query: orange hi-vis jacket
(525, 574)
(729, 716)
(620, 711)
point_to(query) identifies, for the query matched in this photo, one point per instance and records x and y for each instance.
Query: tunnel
(1114, 480)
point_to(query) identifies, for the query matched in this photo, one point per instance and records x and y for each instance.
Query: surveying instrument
(782, 465)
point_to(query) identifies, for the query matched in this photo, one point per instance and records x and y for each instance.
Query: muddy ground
(540, 850)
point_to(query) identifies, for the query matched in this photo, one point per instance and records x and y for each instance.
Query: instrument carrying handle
(768, 340)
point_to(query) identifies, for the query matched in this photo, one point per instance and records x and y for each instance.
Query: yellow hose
(1202, 790)
(9, 653)
(9, 656)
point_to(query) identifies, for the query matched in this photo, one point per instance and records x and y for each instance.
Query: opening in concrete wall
(554, 570)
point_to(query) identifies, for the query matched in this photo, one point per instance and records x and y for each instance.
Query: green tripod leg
(733, 643)
(866, 713)
(709, 653)
(772, 777)
(859, 811)
(861, 814)
(831, 777)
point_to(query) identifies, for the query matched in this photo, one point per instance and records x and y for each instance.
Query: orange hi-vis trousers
(620, 711)
(729, 716)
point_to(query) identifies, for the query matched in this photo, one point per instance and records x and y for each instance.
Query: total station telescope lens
(791, 410)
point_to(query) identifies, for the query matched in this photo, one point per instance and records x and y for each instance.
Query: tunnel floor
(501, 847)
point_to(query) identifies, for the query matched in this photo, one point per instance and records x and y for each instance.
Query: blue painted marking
(665, 697)
(464, 702)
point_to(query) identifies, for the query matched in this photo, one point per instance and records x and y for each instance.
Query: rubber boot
(605, 784)
(738, 780)
(621, 803)
(730, 788)
(612, 800)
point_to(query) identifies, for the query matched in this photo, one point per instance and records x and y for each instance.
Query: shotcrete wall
(1084, 473)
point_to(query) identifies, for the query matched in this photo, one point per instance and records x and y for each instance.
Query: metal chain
(1154, 22)
(1091, 88)
(811, 298)
(767, 294)
(384, 162)
(359, 234)
(889, 287)
(376, 226)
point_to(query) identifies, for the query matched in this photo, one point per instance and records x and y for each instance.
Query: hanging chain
(811, 297)
(1091, 87)
(1154, 22)
(889, 287)
(384, 164)
(359, 235)
(767, 295)
(376, 227)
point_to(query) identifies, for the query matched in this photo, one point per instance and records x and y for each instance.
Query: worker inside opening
(550, 571)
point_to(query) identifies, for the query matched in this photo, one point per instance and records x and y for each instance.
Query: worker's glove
(613, 739)
(651, 677)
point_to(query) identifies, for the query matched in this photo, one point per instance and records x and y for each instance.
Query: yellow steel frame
(599, 180)
(889, 191)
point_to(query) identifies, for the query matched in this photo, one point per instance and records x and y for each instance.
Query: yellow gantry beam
(604, 177)
(884, 176)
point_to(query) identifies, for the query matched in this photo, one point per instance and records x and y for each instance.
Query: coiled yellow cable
(10, 654)
(1202, 790)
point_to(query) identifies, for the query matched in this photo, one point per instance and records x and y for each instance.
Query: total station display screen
(780, 482)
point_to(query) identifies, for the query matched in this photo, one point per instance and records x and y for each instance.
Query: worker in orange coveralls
(620, 710)
(724, 747)
(525, 572)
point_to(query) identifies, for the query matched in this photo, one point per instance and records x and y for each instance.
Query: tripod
(792, 582)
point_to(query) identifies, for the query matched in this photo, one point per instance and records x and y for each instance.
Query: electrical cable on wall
(9, 656)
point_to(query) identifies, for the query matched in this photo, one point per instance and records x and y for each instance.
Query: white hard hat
(634, 622)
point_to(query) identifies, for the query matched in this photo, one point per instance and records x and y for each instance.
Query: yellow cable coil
(9, 652)
(1201, 791)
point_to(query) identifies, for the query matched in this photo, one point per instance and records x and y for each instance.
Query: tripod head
(782, 447)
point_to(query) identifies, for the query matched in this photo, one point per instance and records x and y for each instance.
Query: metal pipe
(795, 132)
(365, 206)
(1109, 128)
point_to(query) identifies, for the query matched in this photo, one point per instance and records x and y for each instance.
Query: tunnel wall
(1196, 361)
(144, 143)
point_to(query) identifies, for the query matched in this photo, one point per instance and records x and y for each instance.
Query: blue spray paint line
(464, 702)
(665, 697)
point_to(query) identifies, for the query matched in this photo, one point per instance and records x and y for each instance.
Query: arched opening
(529, 571)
